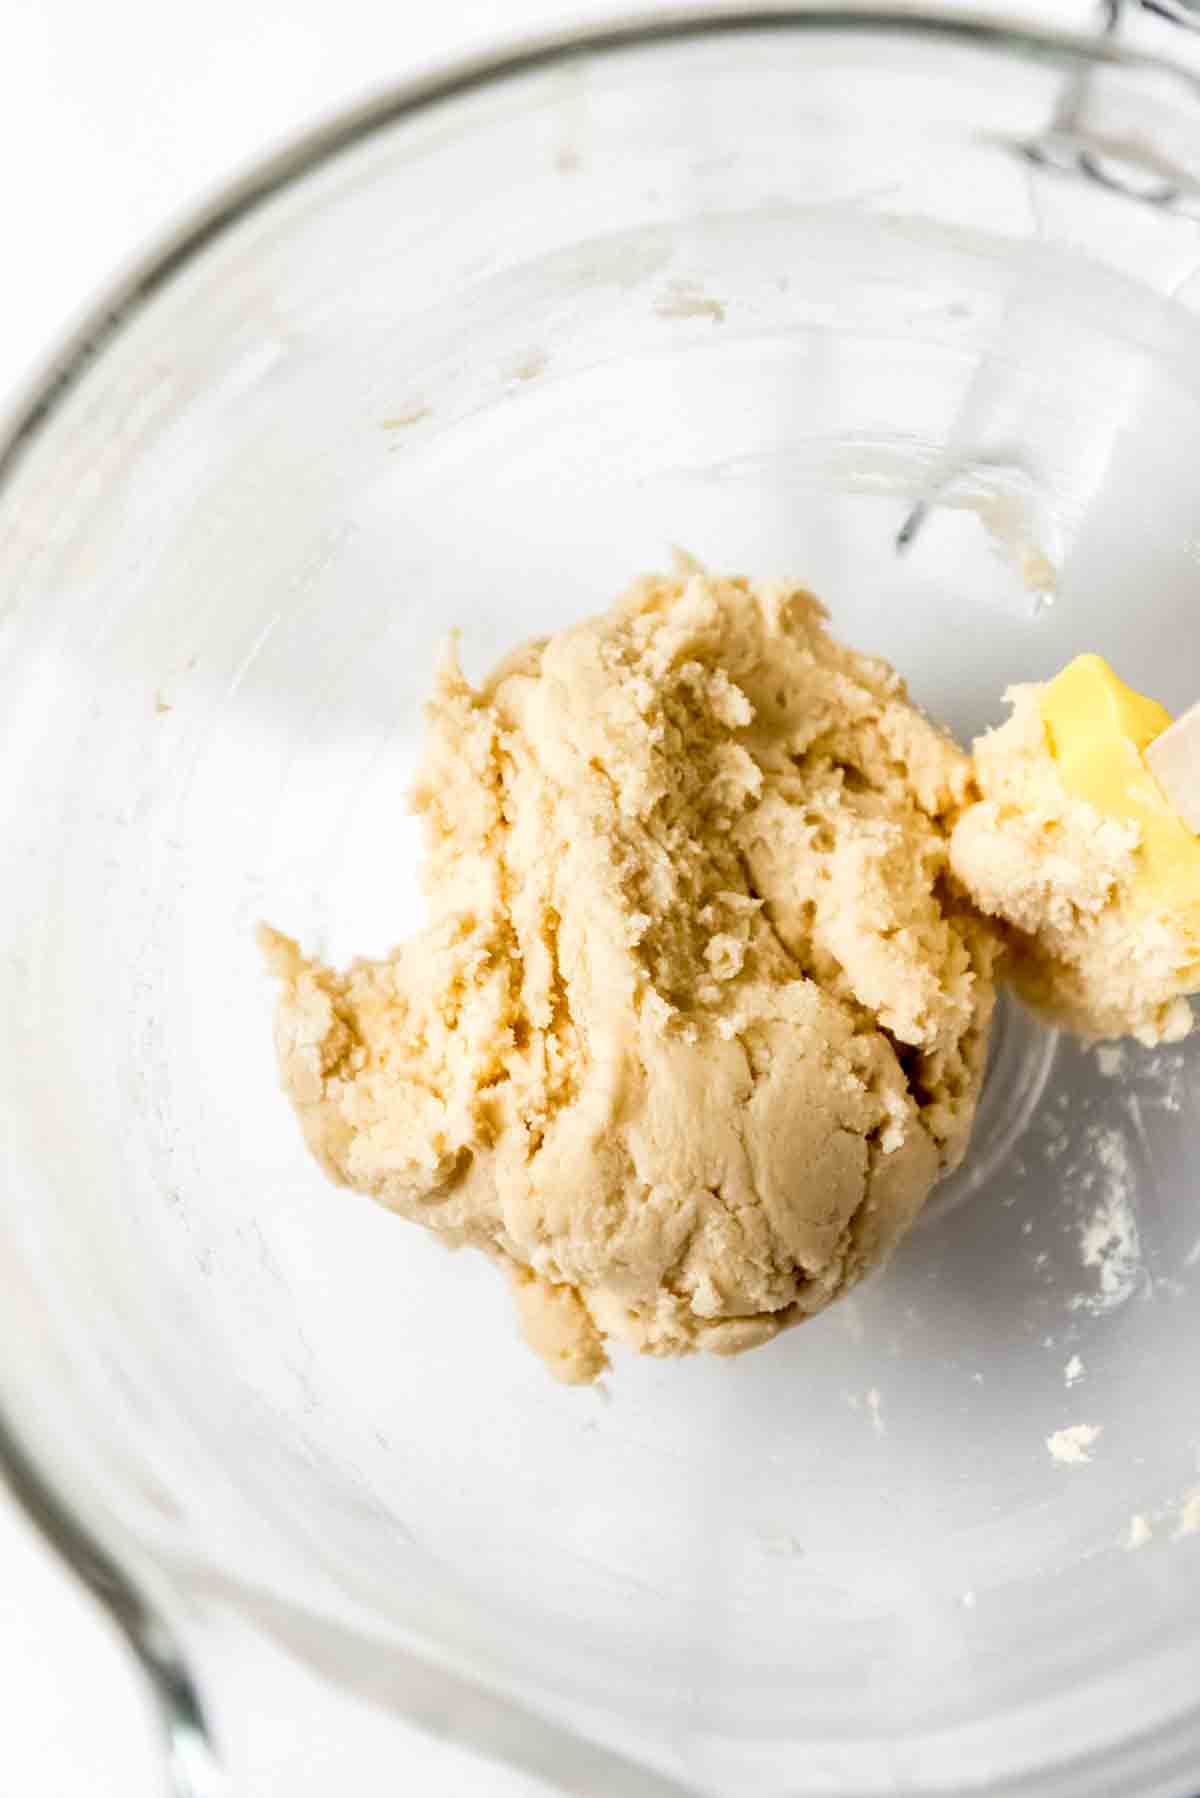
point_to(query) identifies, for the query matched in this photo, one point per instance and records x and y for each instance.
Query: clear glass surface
(761, 291)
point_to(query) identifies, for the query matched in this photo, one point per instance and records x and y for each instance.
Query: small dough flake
(1187, 1519)
(1072, 1447)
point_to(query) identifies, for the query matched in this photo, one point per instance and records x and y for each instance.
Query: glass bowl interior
(768, 293)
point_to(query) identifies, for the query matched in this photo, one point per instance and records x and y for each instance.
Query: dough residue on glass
(1109, 1241)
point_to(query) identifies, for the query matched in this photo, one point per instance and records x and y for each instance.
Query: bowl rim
(121, 298)
(72, 1527)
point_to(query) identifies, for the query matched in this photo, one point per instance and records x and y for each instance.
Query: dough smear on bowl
(697, 1021)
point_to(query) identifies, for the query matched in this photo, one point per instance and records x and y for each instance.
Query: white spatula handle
(1174, 761)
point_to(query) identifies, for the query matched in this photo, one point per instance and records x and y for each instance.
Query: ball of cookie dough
(696, 1023)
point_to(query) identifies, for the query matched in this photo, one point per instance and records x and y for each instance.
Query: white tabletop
(113, 119)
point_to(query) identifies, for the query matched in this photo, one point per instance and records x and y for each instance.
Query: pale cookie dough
(696, 1023)
(1060, 875)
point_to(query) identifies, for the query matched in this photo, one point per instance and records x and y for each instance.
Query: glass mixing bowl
(783, 290)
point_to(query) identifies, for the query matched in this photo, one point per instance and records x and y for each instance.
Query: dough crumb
(1139, 1532)
(781, 1545)
(698, 1018)
(1074, 1371)
(1072, 1446)
(1187, 1518)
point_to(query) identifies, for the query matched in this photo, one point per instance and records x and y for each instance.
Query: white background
(115, 118)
